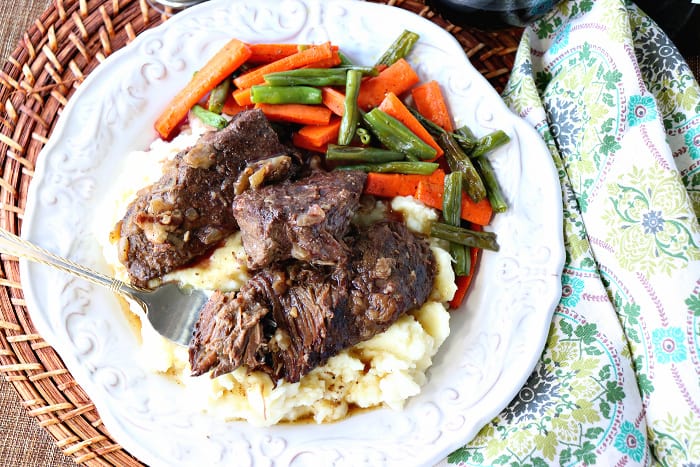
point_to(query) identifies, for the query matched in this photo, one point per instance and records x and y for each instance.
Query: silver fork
(172, 310)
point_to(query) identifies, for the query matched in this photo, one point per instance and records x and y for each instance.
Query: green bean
(452, 213)
(218, 96)
(436, 131)
(359, 154)
(466, 139)
(467, 133)
(209, 118)
(396, 136)
(479, 147)
(351, 116)
(493, 189)
(366, 70)
(400, 48)
(285, 95)
(433, 128)
(490, 142)
(459, 162)
(308, 77)
(462, 259)
(452, 198)
(473, 147)
(403, 167)
(344, 59)
(466, 237)
(363, 134)
(316, 76)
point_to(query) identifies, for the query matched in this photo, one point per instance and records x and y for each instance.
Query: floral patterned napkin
(619, 379)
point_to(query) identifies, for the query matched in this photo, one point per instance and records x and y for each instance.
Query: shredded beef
(292, 316)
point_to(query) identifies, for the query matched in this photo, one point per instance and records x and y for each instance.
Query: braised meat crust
(320, 284)
(187, 212)
(293, 316)
(304, 219)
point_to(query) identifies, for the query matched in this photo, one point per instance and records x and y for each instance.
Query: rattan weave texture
(54, 56)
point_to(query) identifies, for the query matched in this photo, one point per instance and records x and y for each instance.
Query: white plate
(496, 338)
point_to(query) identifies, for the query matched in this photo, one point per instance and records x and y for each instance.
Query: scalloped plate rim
(29, 224)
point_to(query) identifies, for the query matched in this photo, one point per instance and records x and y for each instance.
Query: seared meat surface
(187, 212)
(321, 284)
(304, 219)
(293, 316)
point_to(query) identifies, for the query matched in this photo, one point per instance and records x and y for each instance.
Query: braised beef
(293, 316)
(187, 212)
(304, 219)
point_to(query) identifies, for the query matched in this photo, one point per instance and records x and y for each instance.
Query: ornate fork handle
(16, 246)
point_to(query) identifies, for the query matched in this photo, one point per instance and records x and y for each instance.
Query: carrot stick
(334, 100)
(431, 195)
(394, 107)
(317, 135)
(305, 57)
(478, 213)
(334, 60)
(431, 103)
(300, 142)
(243, 96)
(266, 53)
(219, 67)
(389, 185)
(297, 113)
(397, 78)
(231, 107)
(463, 282)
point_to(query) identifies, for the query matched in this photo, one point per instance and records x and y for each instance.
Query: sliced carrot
(431, 194)
(266, 53)
(318, 135)
(334, 60)
(397, 109)
(478, 213)
(431, 103)
(397, 78)
(463, 282)
(297, 113)
(305, 57)
(390, 185)
(231, 107)
(243, 96)
(219, 67)
(334, 100)
(428, 189)
(300, 142)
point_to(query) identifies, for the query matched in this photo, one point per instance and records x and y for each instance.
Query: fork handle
(16, 246)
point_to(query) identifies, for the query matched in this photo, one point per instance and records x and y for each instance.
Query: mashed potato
(382, 371)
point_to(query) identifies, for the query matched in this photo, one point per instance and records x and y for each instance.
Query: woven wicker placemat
(54, 56)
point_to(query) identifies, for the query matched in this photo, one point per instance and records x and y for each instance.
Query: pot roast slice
(303, 219)
(292, 316)
(187, 212)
